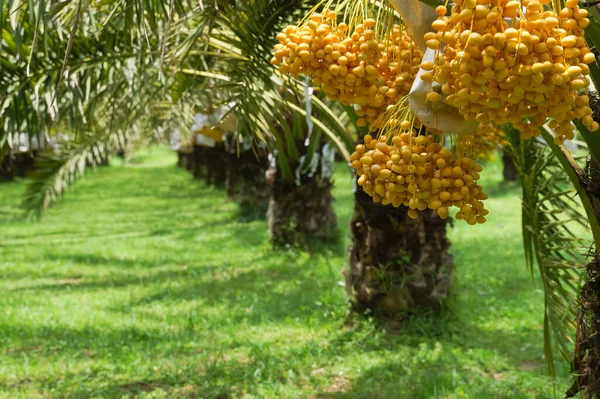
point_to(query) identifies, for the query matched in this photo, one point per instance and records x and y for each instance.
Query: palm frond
(551, 214)
(54, 173)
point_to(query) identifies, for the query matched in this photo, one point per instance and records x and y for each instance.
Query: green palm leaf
(550, 215)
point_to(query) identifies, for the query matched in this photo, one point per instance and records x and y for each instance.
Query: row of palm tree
(114, 75)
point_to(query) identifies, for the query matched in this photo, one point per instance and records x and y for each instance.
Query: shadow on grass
(276, 293)
(249, 233)
(436, 363)
(256, 296)
(187, 384)
(334, 246)
(117, 280)
(273, 289)
(435, 377)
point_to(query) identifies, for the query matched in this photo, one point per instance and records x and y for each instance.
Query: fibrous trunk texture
(509, 170)
(587, 353)
(397, 265)
(209, 163)
(246, 182)
(301, 213)
(587, 356)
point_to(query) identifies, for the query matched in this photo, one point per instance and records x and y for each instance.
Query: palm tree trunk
(586, 363)
(587, 353)
(209, 163)
(246, 183)
(185, 158)
(7, 172)
(198, 164)
(17, 165)
(216, 165)
(509, 170)
(301, 214)
(397, 265)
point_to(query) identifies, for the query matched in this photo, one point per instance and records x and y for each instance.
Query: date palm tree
(283, 114)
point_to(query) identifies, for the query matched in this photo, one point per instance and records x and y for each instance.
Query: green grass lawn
(144, 283)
